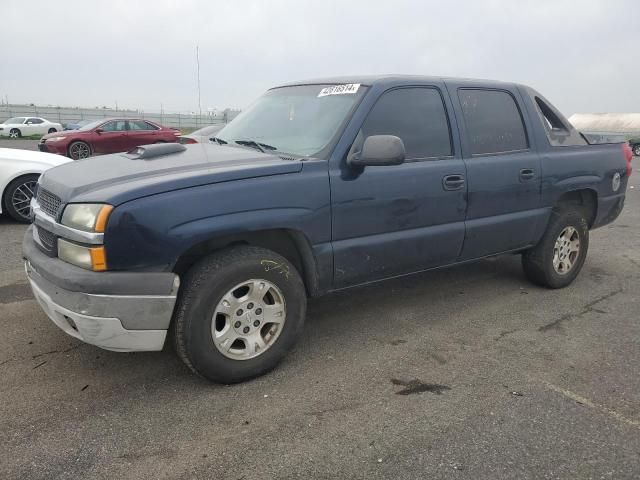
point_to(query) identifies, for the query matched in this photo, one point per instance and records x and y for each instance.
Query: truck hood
(119, 178)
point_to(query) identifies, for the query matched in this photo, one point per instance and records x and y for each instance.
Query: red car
(107, 136)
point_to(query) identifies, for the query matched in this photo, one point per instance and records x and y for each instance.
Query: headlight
(54, 139)
(91, 258)
(89, 217)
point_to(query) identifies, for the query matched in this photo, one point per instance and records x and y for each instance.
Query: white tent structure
(606, 122)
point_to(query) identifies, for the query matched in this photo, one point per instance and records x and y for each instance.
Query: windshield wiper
(257, 145)
(219, 141)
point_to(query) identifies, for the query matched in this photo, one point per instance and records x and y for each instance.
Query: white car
(19, 172)
(17, 127)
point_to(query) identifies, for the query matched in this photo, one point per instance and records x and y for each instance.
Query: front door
(392, 220)
(34, 126)
(112, 138)
(503, 170)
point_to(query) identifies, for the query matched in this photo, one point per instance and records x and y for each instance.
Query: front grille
(47, 239)
(49, 203)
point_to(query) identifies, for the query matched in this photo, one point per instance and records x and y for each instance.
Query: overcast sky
(582, 55)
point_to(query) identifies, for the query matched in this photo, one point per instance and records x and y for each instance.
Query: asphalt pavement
(19, 143)
(463, 373)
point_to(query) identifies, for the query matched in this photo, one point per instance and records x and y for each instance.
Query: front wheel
(17, 197)
(239, 313)
(636, 150)
(559, 256)
(79, 150)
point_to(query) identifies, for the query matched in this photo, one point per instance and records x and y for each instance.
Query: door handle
(453, 182)
(527, 174)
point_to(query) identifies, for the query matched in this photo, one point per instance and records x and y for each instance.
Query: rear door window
(139, 125)
(35, 121)
(493, 121)
(417, 115)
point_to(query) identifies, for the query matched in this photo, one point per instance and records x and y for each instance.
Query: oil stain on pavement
(416, 386)
(15, 293)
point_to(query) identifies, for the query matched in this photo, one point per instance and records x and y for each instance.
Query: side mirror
(99, 131)
(379, 150)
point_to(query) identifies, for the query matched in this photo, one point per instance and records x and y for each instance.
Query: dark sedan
(107, 136)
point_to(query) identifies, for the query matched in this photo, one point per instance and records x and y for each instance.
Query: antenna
(198, 64)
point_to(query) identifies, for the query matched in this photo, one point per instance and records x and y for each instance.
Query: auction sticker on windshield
(349, 88)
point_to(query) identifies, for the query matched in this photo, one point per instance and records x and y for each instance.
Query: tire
(544, 263)
(52, 130)
(203, 296)
(17, 197)
(636, 149)
(15, 133)
(79, 150)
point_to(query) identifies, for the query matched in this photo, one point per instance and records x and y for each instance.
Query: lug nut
(258, 311)
(256, 323)
(239, 312)
(249, 306)
(245, 329)
(237, 324)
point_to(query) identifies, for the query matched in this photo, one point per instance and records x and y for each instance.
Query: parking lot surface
(464, 373)
(22, 144)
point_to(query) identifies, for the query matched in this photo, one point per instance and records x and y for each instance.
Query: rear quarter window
(493, 121)
(558, 130)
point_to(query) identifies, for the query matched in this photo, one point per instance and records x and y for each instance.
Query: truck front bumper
(118, 312)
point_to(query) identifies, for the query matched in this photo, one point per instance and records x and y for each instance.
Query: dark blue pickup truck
(318, 186)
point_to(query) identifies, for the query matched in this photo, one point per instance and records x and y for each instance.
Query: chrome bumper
(101, 319)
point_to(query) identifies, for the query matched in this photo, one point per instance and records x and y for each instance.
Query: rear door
(392, 220)
(503, 169)
(141, 133)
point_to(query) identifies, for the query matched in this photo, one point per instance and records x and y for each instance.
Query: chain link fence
(66, 115)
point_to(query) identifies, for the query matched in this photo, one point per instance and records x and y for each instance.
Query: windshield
(15, 120)
(301, 120)
(90, 126)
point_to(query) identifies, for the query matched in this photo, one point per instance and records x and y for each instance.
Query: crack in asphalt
(585, 309)
(38, 355)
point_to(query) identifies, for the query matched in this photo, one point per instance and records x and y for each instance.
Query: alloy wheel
(21, 198)
(566, 250)
(248, 319)
(79, 150)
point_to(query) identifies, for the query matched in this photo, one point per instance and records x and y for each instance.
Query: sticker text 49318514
(349, 88)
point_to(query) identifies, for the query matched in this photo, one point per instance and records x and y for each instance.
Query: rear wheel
(239, 313)
(52, 130)
(559, 256)
(17, 197)
(15, 133)
(79, 150)
(636, 150)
